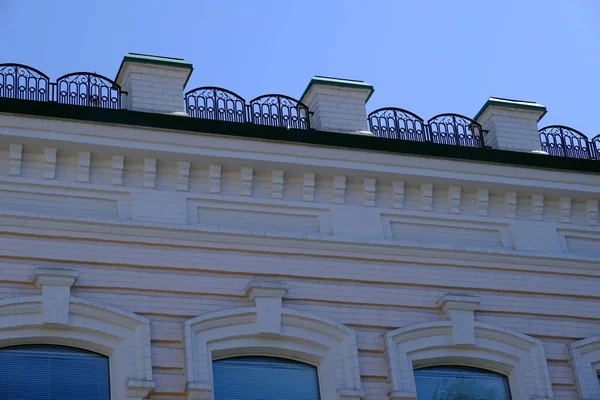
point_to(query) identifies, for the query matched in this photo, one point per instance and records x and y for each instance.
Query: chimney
(511, 124)
(338, 105)
(154, 84)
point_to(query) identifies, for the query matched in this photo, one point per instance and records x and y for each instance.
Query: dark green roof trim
(349, 83)
(157, 60)
(312, 137)
(509, 103)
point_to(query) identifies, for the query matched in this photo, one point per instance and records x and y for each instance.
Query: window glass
(264, 378)
(460, 383)
(40, 372)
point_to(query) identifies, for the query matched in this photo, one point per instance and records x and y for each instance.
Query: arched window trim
(267, 329)
(584, 357)
(57, 318)
(462, 341)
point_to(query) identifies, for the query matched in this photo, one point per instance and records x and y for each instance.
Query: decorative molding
(318, 341)
(183, 175)
(214, 176)
(49, 164)
(83, 166)
(537, 206)
(460, 309)
(584, 357)
(483, 201)
(150, 173)
(122, 335)
(510, 205)
(454, 198)
(246, 181)
(15, 156)
(339, 189)
(55, 285)
(369, 187)
(267, 298)
(426, 196)
(308, 186)
(520, 357)
(591, 215)
(118, 164)
(277, 184)
(398, 195)
(564, 204)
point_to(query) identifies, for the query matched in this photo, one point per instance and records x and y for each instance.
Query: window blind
(460, 383)
(40, 372)
(264, 378)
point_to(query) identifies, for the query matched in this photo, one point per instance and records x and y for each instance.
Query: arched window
(264, 378)
(451, 382)
(79, 330)
(46, 372)
(461, 340)
(221, 344)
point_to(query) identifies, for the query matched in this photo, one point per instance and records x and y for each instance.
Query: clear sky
(428, 56)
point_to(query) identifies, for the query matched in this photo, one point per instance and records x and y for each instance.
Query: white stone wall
(172, 227)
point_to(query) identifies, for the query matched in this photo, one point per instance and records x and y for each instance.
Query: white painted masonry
(511, 124)
(166, 250)
(338, 105)
(153, 87)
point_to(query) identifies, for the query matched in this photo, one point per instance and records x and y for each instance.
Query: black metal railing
(211, 102)
(93, 90)
(453, 129)
(88, 89)
(595, 142)
(563, 141)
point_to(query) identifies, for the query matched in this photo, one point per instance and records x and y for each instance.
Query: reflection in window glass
(460, 383)
(40, 372)
(264, 378)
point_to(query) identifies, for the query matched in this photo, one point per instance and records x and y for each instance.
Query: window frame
(584, 357)
(57, 318)
(328, 346)
(519, 357)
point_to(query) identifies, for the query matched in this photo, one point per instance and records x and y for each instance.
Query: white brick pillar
(154, 84)
(338, 105)
(511, 124)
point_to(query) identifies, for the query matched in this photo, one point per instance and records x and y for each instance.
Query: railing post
(154, 84)
(511, 124)
(338, 105)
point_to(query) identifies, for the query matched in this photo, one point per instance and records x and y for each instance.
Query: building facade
(193, 245)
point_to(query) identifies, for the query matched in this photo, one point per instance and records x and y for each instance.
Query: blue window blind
(41, 372)
(264, 378)
(460, 383)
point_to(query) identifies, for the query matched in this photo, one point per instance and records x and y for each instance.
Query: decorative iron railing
(23, 82)
(79, 88)
(454, 129)
(558, 140)
(92, 90)
(595, 143)
(211, 102)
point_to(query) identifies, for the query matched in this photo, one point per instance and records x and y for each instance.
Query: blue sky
(428, 56)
